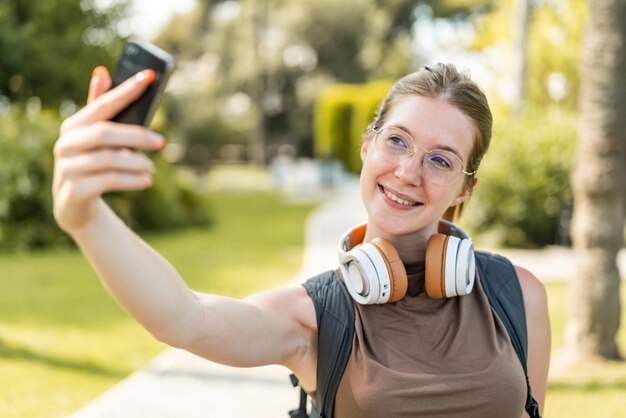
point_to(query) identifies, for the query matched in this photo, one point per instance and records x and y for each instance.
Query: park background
(263, 119)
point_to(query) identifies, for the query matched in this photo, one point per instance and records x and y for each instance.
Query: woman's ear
(455, 211)
(364, 146)
(467, 191)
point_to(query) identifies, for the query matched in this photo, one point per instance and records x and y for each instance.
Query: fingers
(112, 102)
(117, 160)
(83, 189)
(99, 84)
(107, 134)
(108, 104)
(94, 156)
(86, 176)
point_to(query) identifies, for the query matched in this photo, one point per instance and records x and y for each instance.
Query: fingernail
(145, 76)
(100, 72)
(157, 140)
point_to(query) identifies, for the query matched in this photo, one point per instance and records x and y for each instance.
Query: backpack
(335, 321)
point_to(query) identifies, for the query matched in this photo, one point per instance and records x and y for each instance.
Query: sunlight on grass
(63, 340)
(591, 390)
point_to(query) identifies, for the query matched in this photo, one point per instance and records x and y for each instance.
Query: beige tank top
(422, 357)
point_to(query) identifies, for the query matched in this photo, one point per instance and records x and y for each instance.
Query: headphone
(373, 271)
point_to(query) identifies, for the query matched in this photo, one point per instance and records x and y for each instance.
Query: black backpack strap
(335, 323)
(501, 285)
(300, 411)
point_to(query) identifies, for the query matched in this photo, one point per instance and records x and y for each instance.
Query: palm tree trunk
(599, 184)
(520, 51)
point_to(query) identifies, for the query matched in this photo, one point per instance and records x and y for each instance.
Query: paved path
(177, 384)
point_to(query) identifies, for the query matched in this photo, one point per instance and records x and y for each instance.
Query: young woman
(417, 356)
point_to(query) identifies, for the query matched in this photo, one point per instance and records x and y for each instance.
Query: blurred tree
(456, 8)
(552, 43)
(556, 33)
(49, 48)
(47, 52)
(599, 181)
(26, 167)
(520, 51)
(526, 172)
(265, 61)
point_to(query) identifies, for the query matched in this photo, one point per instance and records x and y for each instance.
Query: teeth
(397, 199)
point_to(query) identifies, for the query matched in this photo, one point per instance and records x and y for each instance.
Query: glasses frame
(412, 152)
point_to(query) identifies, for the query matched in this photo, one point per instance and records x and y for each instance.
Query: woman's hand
(94, 156)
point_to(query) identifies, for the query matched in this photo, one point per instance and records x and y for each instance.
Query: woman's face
(432, 123)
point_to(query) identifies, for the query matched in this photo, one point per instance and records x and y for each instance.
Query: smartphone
(138, 56)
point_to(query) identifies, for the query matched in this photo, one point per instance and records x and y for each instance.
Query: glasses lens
(442, 167)
(439, 166)
(394, 145)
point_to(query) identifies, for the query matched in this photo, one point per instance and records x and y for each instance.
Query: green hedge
(342, 112)
(332, 118)
(26, 219)
(26, 164)
(523, 195)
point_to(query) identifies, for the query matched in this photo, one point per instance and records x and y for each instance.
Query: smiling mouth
(397, 199)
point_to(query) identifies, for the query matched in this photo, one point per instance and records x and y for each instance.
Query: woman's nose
(410, 170)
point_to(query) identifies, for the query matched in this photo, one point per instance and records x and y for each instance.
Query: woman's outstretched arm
(94, 156)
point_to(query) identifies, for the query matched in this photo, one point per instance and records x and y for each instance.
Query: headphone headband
(355, 236)
(448, 228)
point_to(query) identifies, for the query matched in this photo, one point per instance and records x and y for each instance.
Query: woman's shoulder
(532, 288)
(289, 302)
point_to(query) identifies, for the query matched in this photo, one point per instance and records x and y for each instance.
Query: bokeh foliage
(26, 219)
(47, 52)
(259, 66)
(553, 46)
(523, 197)
(246, 70)
(342, 114)
(26, 165)
(49, 48)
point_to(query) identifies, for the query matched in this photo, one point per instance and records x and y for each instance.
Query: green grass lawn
(62, 338)
(585, 390)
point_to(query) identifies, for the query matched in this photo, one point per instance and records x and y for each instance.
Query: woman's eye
(397, 142)
(440, 161)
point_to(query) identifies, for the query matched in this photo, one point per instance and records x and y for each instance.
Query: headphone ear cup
(435, 266)
(397, 274)
(465, 268)
(450, 266)
(360, 274)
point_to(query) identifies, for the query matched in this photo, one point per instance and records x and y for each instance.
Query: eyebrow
(441, 147)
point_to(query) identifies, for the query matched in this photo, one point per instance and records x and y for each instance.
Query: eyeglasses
(439, 166)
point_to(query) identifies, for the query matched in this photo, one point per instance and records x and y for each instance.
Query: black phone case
(138, 56)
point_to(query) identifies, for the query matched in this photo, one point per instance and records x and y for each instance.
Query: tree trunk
(520, 51)
(260, 24)
(599, 184)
